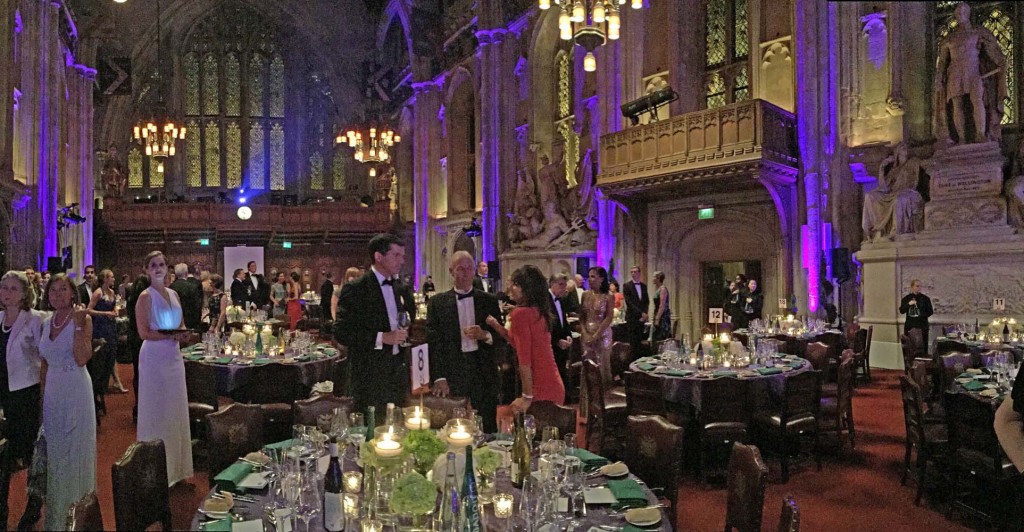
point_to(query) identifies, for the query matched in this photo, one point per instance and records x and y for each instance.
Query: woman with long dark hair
(596, 313)
(662, 329)
(294, 309)
(103, 309)
(530, 334)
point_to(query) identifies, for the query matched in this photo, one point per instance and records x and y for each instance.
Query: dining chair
(930, 439)
(797, 416)
(274, 387)
(622, 356)
(655, 454)
(201, 387)
(789, 519)
(340, 371)
(235, 431)
(141, 494)
(644, 394)
(308, 411)
(862, 352)
(606, 414)
(817, 354)
(549, 414)
(723, 418)
(441, 408)
(917, 342)
(949, 346)
(952, 365)
(746, 483)
(837, 411)
(85, 515)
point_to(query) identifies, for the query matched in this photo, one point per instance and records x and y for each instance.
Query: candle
(372, 525)
(351, 503)
(693, 361)
(417, 421)
(724, 338)
(726, 363)
(709, 337)
(387, 446)
(459, 437)
(503, 505)
(353, 481)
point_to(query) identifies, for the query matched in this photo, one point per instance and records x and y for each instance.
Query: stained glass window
(191, 66)
(135, 168)
(233, 145)
(156, 177)
(741, 44)
(211, 158)
(715, 91)
(316, 171)
(338, 168)
(256, 80)
(726, 53)
(277, 87)
(716, 38)
(277, 157)
(211, 90)
(740, 86)
(257, 162)
(193, 155)
(232, 90)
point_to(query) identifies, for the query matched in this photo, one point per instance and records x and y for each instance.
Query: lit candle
(726, 363)
(693, 361)
(724, 338)
(387, 446)
(503, 505)
(353, 481)
(372, 525)
(417, 421)
(460, 438)
(351, 503)
(709, 337)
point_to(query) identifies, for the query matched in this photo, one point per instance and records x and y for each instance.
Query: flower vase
(485, 485)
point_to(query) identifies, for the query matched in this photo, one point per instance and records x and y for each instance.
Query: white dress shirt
(389, 301)
(467, 318)
(639, 292)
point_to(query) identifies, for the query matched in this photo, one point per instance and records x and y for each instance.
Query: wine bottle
(450, 508)
(334, 504)
(520, 453)
(259, 343)
(1006, 333)
(389, 417)
(371, 421)
(470, 506)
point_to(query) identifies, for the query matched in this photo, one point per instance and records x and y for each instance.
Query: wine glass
(403, 322)
(572, 483)
(308, 503)
(530, 424)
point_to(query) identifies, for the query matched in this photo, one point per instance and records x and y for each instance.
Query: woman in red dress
(530, 335)
(294, 308)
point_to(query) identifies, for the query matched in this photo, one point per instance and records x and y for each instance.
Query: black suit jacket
(478, 284)
(560, 329)
(924, 305)
(260, 294)
(84, 293)
(635, 306)
(191, 299)
(444, 336)
(570, 303)
(240, 292)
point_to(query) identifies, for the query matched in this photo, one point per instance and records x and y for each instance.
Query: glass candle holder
(373, 525)
(417, 418)
(503, 505)
(351, 504)
(353, 481)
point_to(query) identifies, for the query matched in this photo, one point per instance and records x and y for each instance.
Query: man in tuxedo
(239, 290)
(482, 281)
(259, 294)
(326, 291)
(190, 295)
(88, 285)
(634, 293)
(367, 324)
(561, 332)
(573, 295)
(462, 345)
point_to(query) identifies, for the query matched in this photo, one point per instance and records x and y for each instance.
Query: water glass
(548, 433)
(574, 480)
(530, 423)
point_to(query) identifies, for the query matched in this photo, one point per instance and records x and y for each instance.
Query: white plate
(988, 392)
(599, 495)
(253, 481)
(643, 516)
(500, 445)
(618, 469)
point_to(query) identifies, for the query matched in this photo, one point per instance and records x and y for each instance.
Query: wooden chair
(201, 385)
(606, 414)
(950, 346)
(548, 414)
(234, 432)
(656, 455)
(951, 365)
(930, 440)
(976, 452)
(798, 416)
(141, 494)
(274, 387)
(837, 411)
(308, 411)
(441, 408)
(85, 514)
(723, 418)
(862, 352)
(817, 354)
(340, 371)
(746, 484)
(789, 519)
(644, 395)
(916, 338)
(622, 356)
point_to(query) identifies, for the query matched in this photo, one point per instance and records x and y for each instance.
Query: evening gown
(69, 423)
(662, 329)
(595, 308)
(101, 365)
(163, 400)
(531, 338)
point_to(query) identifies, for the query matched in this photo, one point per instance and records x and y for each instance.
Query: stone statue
(970, 66)
(895, 207)
(551, 182)
(525, 220)
(115, 178)
(554, 227)
(1015, 189)
(587, 191)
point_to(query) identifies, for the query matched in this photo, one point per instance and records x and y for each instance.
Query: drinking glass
(530, 501)
(548, 433)
(403, 322)
(570, 444)
(308, 503)
(573, 482)
(530, 423)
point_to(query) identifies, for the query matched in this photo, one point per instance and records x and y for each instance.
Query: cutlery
(243, 498)
(623, 512)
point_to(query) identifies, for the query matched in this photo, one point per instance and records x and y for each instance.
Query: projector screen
(238, 257)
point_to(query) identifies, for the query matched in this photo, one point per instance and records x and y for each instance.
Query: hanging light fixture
(159, 133)
(371, 146)
(589, 23)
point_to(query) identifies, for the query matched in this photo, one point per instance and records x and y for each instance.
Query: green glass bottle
(470, 505)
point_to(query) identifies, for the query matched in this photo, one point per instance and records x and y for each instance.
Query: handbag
(37, 469)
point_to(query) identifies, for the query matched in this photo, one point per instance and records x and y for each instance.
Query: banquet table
(683, 385)
(944, 345)
(983, 389)
(597, 518)
(233, 372)
(797, 344)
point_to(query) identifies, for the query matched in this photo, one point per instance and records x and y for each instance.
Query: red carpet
(856, 490)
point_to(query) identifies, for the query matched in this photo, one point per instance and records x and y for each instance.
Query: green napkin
(229, 478)
(966, 375)
(768, 371)
(193, 358)
(222, 360)
(589, 459)
(261, 361)
(724, 373)
(224, 525)
(627, 528)
(646, 366)
(974, 386)
(286, 444)
(679, 372)
(628, 493)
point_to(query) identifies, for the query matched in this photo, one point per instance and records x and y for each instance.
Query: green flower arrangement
(487, 460)
(235, 313)
(237, 339)
(424, 446)
(414, 495)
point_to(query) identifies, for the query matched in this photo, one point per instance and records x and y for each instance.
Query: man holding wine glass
(918, 308)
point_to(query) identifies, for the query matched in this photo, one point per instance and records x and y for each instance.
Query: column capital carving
(434, 85)
(491, 36)
(86, 72)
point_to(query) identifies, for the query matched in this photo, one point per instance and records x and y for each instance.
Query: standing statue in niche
(114, 175)
(970, 70)
(1015, 189)
(895, 207)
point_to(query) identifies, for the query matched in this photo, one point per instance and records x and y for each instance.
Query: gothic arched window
(1002, 19)
(726, 51)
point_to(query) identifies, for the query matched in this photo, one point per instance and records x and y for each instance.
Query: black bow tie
(388, 282)
(464, 296)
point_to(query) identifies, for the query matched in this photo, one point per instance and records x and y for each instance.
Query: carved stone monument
(966, 188)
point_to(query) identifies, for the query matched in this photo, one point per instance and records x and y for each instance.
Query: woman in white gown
(69, 417)
(163, 401)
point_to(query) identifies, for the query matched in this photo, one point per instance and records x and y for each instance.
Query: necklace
(62, 325)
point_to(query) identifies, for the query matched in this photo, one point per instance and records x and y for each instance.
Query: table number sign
(999, 304)
(782, 302)
(715, 315)
(420, 366)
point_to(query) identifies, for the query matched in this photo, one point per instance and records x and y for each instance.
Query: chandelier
(590, 23)
(373, 146)
(158, 134)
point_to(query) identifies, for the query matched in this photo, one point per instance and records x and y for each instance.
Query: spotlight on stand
(473, 229)
(648, 103)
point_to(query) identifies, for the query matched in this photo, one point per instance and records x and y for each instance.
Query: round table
(683, 385)
(235, 373)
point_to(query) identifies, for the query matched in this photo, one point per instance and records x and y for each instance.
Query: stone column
(426, 103)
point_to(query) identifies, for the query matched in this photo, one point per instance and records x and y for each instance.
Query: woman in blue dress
(102, 307)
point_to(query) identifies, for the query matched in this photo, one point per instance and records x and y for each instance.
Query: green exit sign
(286, 244)
(204, 241)
(705, 213)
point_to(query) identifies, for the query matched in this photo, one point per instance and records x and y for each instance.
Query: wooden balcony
(701, 151)
(182, 222)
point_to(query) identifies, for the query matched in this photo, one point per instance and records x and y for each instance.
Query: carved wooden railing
(728, 140)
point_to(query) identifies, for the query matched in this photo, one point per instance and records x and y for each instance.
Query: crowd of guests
(744, 301)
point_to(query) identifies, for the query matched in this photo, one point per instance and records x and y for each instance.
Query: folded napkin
(261, 361)
(974, 386)
(628, 493)
(235, 473)
(224, 525)
(768, 371)
(193, 358)
(286, 444)
(627, 528)
(589, 459)
(222, 360)
(679, 372)
(724, 373)
(966, 375)
(324, 387)
(646, 366)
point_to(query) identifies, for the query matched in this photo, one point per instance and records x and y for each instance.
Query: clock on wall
(244, 213)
